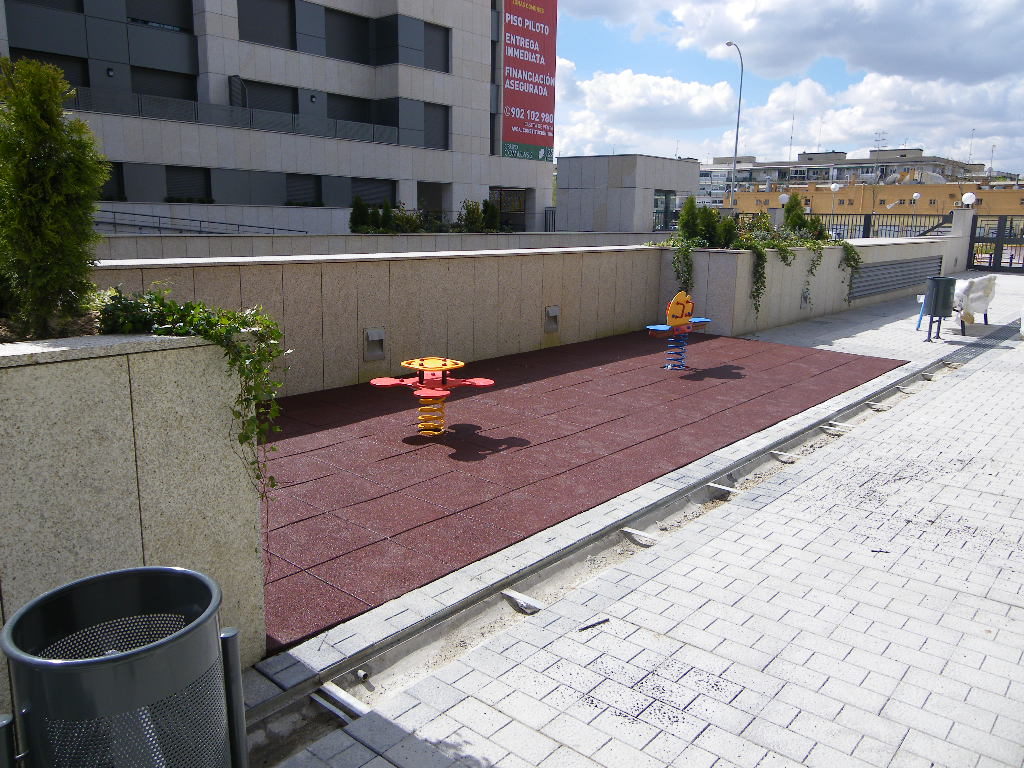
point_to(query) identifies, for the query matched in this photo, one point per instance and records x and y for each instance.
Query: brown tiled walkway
(368, 510)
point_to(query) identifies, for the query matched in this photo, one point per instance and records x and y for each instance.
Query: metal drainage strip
(980, 346)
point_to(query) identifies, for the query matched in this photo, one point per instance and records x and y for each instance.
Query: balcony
(183, 110)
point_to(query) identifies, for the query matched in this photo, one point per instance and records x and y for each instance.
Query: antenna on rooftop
(792, 122)
(970, 148)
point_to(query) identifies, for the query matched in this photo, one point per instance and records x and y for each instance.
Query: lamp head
(969, 198)
(834, 187)
(730, 43)
(783, 198)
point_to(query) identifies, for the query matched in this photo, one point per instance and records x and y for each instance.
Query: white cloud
(633, 112)
(917, 39)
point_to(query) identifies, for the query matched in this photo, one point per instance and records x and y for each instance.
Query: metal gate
(997, 243)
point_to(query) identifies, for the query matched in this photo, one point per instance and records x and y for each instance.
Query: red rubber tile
(382, 571)
(299, 468)
(318, 539)
(281, 508)
(359, 452)
(275, 568)
(456, 540)
(337, 490)
(391, 514)
(455, 490)
(598, 410)
(301, 605)
(401, 471)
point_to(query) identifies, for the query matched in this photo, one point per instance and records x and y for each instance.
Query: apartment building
(286, 110)
(880, 166)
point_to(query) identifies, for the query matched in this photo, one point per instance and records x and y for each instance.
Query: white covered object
(974, 296)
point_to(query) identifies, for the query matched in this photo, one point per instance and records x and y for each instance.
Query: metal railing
(125, 221)
(183, 110)
(844, 226)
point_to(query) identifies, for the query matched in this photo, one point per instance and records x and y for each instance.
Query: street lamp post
(736, 143)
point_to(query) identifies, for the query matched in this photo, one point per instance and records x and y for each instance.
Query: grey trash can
(938, 302)
(123, 670)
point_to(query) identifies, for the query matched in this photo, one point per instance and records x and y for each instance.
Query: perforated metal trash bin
(124, 670)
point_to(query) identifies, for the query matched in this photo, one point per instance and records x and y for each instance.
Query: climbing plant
(251, 342)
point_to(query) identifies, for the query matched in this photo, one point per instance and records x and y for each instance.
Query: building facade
(269, 106)
(622, 193)
(881, 165)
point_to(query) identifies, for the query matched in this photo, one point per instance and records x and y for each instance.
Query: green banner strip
(527, 151)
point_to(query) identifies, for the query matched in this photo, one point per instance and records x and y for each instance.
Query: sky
(656, 77)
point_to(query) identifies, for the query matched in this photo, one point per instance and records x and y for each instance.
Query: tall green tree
(688, 224)
(793, 214)
(51, 175)
(707, 226)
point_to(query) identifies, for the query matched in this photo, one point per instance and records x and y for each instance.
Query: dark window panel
(303, 188)
(435, 126)
(269, 22)
(75, 6)
(158, 82)
(351, 108)
(76, 70)
(348, 37)
(276, 98)
(185, 183)
(385, 112)
(374, 191)
(437, 48)
(114, 187)
(169, 14)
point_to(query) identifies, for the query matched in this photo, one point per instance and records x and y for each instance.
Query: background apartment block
(282, 111)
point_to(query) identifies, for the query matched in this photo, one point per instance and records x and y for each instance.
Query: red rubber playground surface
(368, 510)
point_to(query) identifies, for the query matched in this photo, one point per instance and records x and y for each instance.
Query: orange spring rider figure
(679, 321)
(431, 385)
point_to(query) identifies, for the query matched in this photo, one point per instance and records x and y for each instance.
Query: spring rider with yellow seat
(679, 322)
(431, 385)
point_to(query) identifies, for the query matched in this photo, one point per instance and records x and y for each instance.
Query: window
(188, 185)
(436, 48)
(435, 126)
(374, 191)
(933, 201)
(302, 189)
(175, 15)
(113, 189)
(842, 202)
(158, 82)
(348, 37)
(274, 98)
(76, 71)
(351, 108)
(75, 6)
(269, 22)
(881, 201)
(849, 202)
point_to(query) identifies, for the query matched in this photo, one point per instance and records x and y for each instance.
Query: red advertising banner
(528, 79)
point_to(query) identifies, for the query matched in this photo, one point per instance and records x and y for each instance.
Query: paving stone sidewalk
(864, 608)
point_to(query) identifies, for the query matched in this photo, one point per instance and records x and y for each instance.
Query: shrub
(387, 218)
(793, 214)
(373, 224)
(492, 216)
(359, 219)
(51, 175)
(727, 232)
(470, 218)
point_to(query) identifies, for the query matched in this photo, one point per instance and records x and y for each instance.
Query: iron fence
(997, 243)
(127, 221)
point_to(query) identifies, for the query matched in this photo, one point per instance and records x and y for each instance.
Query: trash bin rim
(15, 654)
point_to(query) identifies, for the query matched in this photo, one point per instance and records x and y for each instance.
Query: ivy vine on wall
(252, 345)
